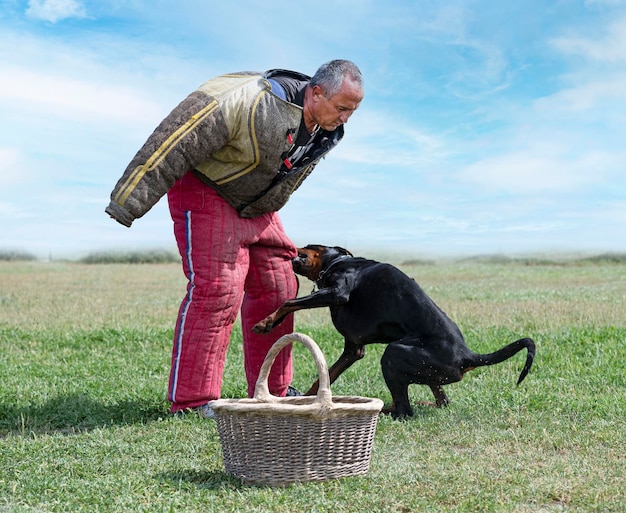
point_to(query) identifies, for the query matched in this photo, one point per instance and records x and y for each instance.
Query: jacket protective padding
(233, 132)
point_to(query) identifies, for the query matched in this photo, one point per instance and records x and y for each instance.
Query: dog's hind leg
(397, 380)
(351, 353)
(405, 363)
(441, 399)
(400, 406)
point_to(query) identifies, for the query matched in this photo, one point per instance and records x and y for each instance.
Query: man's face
(331, 112)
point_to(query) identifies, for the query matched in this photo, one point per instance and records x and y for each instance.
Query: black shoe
(292, 392)
(204, 411)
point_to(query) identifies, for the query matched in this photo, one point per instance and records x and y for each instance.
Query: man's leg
(270, 282)
(215, 263)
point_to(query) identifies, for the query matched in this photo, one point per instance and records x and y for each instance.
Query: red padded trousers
(231, 263)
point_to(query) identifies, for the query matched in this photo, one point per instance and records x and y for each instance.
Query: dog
(373, 302)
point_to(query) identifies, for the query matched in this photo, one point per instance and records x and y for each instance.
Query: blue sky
(487, 126)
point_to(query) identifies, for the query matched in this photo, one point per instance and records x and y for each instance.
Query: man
(229, 156)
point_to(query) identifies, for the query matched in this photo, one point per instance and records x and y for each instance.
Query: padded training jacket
(233, 132)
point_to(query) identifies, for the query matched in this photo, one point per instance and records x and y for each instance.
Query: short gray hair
(331, 75)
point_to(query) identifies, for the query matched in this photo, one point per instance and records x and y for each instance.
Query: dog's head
(314, 258)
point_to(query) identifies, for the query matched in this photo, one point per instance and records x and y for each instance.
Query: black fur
(372, 302)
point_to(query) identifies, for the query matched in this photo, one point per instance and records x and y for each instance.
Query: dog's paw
(397, 414)
(264, 326)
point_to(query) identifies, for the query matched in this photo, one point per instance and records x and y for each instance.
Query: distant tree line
(155, 256)
(8, 255)
(131, 257)
(161, 256)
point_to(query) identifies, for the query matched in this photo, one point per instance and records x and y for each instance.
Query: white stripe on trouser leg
(189, 299)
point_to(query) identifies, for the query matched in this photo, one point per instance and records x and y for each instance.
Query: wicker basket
(272, 440)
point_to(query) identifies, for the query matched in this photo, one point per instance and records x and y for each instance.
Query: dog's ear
(343, 251)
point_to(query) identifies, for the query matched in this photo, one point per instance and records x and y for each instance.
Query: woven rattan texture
(278, 450)
(276, 441)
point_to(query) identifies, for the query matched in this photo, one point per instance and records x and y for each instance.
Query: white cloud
(610, 47)
(568, 142)
(55, 10)
(536, 170)
(384, 139)
(440, 155)
(10, 163)
(603, 2)
(609, 92)
(72, 98)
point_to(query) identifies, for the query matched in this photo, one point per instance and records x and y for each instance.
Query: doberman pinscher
(373, 302)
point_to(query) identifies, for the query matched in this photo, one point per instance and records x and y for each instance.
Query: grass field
(84, 358)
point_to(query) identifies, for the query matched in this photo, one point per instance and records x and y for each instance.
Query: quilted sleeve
(190, 134)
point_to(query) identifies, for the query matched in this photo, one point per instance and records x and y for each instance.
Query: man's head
(334, 93)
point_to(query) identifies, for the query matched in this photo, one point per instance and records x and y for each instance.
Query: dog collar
(324, 271)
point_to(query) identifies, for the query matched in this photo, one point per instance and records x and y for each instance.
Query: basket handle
(324, 398)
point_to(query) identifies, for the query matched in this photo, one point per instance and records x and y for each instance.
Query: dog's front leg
(351, 354)
(275, 318)
(321, 298)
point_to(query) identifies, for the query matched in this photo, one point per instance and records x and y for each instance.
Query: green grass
(84, 426)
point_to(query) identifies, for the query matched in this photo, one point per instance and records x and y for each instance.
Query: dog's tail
(480, 360)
